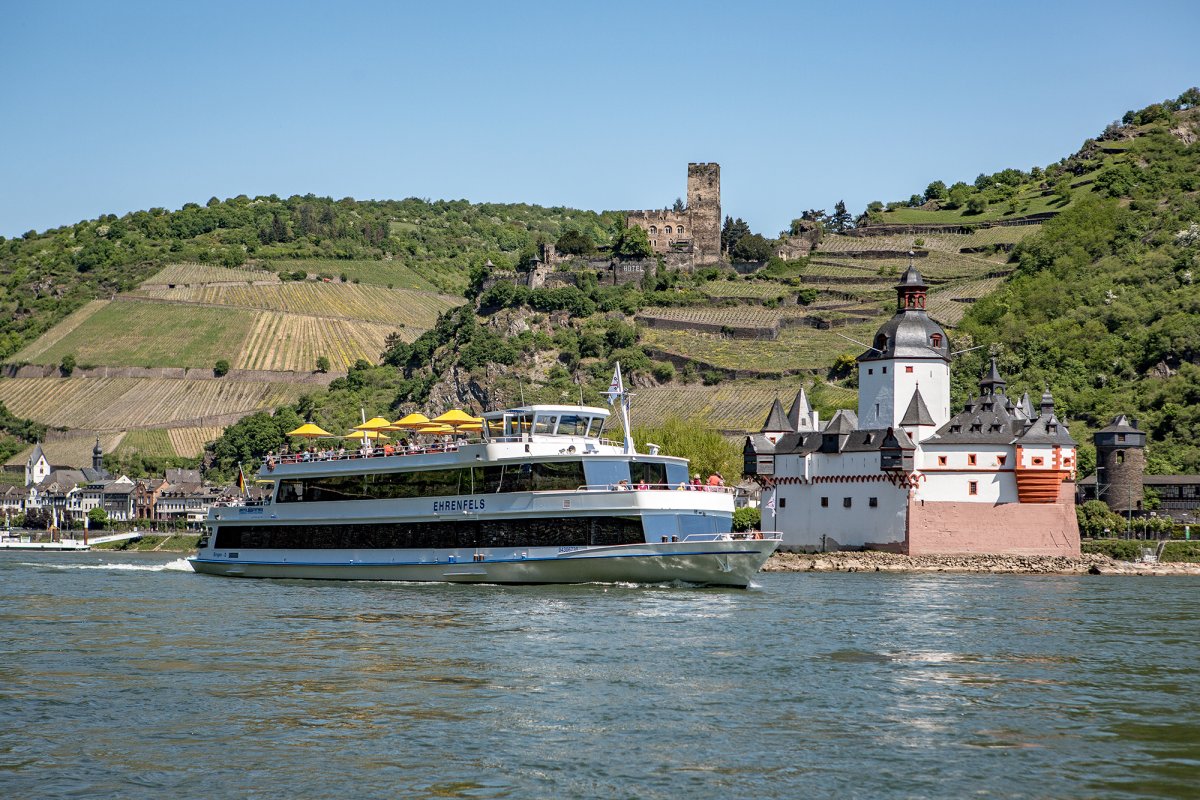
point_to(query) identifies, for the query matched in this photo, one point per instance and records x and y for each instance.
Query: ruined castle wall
(704, 211)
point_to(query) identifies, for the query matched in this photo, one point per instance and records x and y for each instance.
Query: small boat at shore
(540, 497)
(26, 542)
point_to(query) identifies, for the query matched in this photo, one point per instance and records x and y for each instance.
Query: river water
(125, 675)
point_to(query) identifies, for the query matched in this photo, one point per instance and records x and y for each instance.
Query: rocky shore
(869, 561)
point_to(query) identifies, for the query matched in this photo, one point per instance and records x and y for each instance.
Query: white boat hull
(714, 563)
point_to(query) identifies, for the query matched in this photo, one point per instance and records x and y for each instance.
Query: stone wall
(1024, 529)
(179, 373)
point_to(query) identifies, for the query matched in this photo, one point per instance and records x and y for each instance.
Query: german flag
(241, 480)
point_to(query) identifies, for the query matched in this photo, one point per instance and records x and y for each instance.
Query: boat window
(544, 423)
(557, 476)
(605, 473)
(596, 426)
(651, 473)
(460, 533)
(495, 428)
(517, 425)
(677, 474)
(572, 425)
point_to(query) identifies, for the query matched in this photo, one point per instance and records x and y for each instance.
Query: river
(125, 675)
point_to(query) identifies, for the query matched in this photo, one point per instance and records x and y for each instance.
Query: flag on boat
(241, 480)
(771, 502)
(617, 387)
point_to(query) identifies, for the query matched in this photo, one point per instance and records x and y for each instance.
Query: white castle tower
(910, 355)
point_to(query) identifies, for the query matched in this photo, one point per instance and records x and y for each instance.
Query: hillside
(1077, 275)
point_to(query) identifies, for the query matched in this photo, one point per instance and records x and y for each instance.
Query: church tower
(910, 352)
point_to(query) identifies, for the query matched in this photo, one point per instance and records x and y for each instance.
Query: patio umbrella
(310, 431)
(435, 428)
(356, 434)
(456, 417)
(374, 424)
(413, 420)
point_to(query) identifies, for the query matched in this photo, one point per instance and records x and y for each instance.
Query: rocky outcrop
(870, 561)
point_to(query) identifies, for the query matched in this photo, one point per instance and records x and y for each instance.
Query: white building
(903, 474)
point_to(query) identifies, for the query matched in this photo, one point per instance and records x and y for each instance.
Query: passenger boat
(540, 497)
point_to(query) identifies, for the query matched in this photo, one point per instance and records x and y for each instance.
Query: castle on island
(903, 474)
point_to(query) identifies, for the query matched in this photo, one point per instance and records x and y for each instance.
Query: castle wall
(1120, 477)
(704, 210)
(960, 528)
(664, 228)
(807, 525)
(885, 388)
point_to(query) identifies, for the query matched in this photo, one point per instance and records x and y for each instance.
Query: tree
(322, 364)
(221, 368)
(841, 219)
(1062, 189)
(632, 242)
(958, 195)
(701, 444)
(575, 243)
(753, 247)
(678, 207)
(935, 191)
(732, 231)
(97, 518)
(977, 204)
(67, 366)
(1096, 520)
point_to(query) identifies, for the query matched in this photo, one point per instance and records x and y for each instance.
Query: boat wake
(178, 565)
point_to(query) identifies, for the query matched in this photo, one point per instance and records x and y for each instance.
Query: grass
(148, 442)
(143, 334)
(172, 543)
(195, 274)
(117, 404)
(71, 451)
(397, 307)
(376, 273)
(796, 348)
(740, 406)
(37, 349)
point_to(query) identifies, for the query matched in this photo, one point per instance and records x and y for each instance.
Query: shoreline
(874, 561)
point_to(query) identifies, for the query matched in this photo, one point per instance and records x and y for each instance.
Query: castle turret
(98, 456)
(1120, 464)
(908, 349)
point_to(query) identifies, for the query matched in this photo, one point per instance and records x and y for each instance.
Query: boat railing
(388, 451)
(652, 487)
(735, 536)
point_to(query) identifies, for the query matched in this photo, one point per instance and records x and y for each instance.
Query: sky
(120, 106)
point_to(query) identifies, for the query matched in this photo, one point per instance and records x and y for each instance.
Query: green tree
(322, 364)
(958, 195)
(1097, 521)
(221, 368)
(1062, 189)
(706, 449)
(936, 191)
(575, 243)
(841, 219)
(753, 247)
(632, 242)
(746, 519)
(67, 365)
(977, 204)
(732, 231)
(97, 518)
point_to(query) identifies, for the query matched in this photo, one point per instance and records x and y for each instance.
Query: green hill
(1077, 275)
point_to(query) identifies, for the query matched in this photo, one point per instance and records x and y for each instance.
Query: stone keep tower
(1120, 464)
(704, 211)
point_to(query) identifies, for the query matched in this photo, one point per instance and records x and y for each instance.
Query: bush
(977, 204)
(67, 366)
(322, 364)
(746, 519)
(663, 371)
(221, 368)
(1120, 549)
(1182, 551)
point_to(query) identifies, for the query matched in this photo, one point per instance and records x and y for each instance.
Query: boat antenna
(580, 385)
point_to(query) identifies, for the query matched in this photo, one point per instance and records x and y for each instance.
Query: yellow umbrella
(365, 435)
(471, 426)
(374, 424)
(456, 417)
(413, 420)
(310, 431)
(435, 429)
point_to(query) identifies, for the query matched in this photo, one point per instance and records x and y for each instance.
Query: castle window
(908, 369)
(970, 459)
(846, 502)
(1067, 461)
(1000, 460)
(679, 230)
(654, 230)
(1120, 456)
(1038, 461)
(873, 502)
(935, 340)
(870, 371)
(973, 487)
(1120, 437)
(667, 230)
(941, 461)
(824, 502)
(885, 370)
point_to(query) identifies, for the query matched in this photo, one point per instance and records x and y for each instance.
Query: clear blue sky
(114, 107)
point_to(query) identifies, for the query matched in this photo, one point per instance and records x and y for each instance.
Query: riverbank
(155, 542)
(870, 561)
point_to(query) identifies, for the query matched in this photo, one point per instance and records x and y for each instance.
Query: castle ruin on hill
(696, 230)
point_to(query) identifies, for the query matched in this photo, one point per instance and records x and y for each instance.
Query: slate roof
(1120, 424)
(1046, 429)
(918, 412)
(908, 333)
(800, 414)
(776, 420)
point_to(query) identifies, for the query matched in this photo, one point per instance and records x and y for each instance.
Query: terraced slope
(114, 404)
(728, 407)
